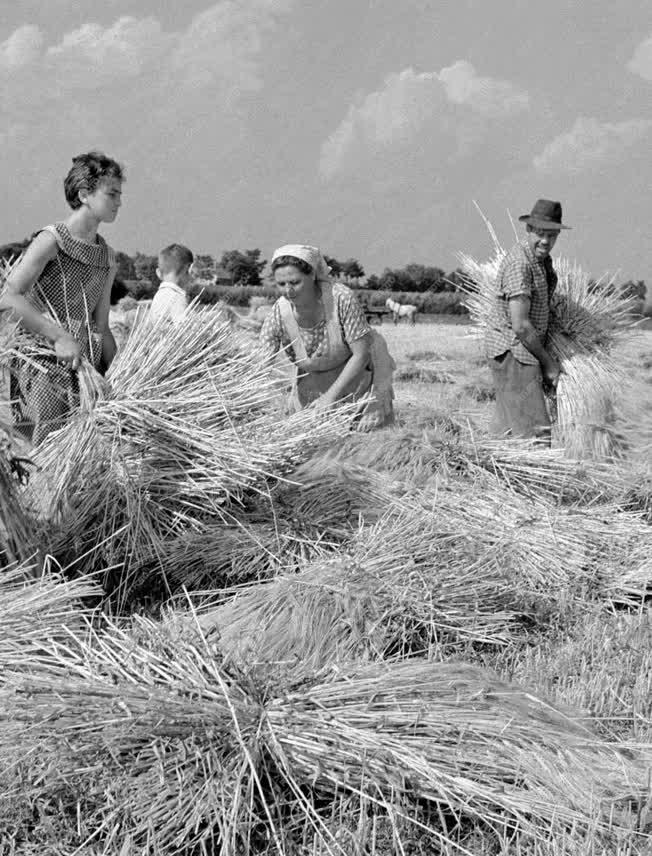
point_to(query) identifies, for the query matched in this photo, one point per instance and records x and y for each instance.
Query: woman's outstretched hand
(67, 351)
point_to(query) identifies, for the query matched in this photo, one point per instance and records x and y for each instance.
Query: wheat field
(418, 642)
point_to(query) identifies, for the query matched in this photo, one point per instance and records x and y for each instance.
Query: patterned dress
(69, 290)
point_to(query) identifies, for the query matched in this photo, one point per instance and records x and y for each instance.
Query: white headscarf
(311, 255)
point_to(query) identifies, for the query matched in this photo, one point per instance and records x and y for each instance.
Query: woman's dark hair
(88, 171)
(299, 264)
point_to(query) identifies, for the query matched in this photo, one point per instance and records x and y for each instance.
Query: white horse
(402, 310)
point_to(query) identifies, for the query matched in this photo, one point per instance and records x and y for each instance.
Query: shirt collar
(172, 285)
(532, 258)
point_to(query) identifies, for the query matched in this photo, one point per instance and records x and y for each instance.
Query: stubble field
(417, 642)
(603, 664)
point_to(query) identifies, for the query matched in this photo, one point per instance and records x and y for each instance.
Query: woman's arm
(101, 318)
(269, 337)
(14, 298)
(359, 360)
(356, 332)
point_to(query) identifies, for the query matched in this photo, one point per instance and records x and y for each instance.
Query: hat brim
(542, 224)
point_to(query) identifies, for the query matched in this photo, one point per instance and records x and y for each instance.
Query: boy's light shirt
(170, 300)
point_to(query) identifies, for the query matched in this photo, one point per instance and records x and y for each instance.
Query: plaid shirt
(520, 273)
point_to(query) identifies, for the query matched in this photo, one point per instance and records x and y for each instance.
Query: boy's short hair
(88, 171)
(174, 258)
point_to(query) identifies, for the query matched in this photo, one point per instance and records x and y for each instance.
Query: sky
(367, 127)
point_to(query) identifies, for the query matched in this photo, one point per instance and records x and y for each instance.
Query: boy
(174, 270)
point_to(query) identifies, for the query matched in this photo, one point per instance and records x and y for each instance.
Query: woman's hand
(324, 402)
(67, 351)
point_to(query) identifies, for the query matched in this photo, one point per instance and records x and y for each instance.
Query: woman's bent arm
(359, 359)
(42, 250)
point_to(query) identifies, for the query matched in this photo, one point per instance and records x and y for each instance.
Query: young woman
(323, 330)
(60, 292)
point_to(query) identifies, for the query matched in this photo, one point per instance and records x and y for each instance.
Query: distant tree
(204, 266)
(427, 278)
(141, 289)
(414, 277)
(334, 265)
(126, 267)
(352, 269)
(456, 279)
(145, 268)
(395, 280)
(372, 282)
(244, 267)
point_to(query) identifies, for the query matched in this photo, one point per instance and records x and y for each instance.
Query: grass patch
(426, 356)
(478, 392)
(422, 374)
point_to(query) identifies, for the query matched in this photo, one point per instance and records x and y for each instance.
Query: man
(522, 368)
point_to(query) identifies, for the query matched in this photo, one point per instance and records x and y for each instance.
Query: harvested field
(418, 641)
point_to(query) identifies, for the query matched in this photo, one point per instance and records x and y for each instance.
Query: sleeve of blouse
(354, 324)
(270, 332)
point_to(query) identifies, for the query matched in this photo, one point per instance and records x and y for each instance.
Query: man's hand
(551, 372)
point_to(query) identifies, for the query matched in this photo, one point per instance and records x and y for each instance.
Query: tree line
(237, 267)
(245, 268)
(137, 276)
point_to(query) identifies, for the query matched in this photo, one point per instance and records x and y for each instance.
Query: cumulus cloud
(93, 56)
(408, 101)
(483, 94)
(590, 144)
(160, 100)
(223, 44)
(641, 62)
(21, 48)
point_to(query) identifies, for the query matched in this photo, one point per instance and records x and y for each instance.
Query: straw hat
(546, 214)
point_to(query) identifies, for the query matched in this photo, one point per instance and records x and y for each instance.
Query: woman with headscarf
(322, 328)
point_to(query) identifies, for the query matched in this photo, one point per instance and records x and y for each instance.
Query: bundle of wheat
(19, 532)
(414, 456)
(435, 729)
(534, 471)
(336, 617)
(637, 491)
(188, 426)
(627, 575)
(442, 568)
(298, 520)
(36, 609)
(587, 320)
(144, 735)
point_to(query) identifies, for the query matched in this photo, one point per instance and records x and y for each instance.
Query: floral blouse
(353, 324)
